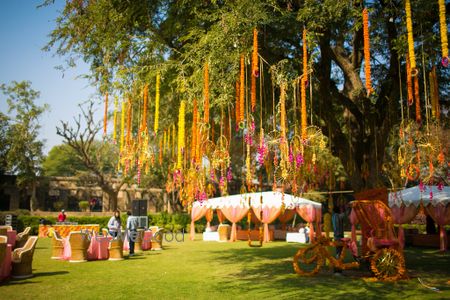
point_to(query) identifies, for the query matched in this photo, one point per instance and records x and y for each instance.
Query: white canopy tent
(404, 206)
(235, 207)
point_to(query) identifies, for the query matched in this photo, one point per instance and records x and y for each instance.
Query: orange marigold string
(242, 90)
(409, 82)
(206, 94)
(105, 116)
(367, 51)
(255, 69)
(417, 99)
(194, 132)
(305, 57)
(237, 108)
(303, 108)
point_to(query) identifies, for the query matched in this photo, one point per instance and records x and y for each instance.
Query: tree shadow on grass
(275, 273)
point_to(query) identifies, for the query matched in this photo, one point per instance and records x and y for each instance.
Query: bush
(84, 205)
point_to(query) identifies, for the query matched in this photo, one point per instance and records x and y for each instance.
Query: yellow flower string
(130, 108)
(105, 116)
(181, 121)
(158, 83)
(367, 51)
(164, 142)
(409, 82)
(173, 140)
(160, 150)
(122, 126)
(443, 29)
(115, 120)
(206, 94)
(144, 112)
(303, 82)
(409, 29)
(242, 89)
(194, 132)
(255, 70)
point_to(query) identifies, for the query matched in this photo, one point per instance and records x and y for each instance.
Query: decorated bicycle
(379, 245)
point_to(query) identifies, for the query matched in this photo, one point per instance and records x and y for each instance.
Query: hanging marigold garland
(144, 111)
(115, 120)
(409, 29)
(129, 112)
(305, 57)
(158, 83)
(181, 122)
(367, 51)
(237, 108)
(122, 126)
(417, 99)
(409, 82)
(443, 30)
(105, 116)
(434, 94)
(164, 142)
(242, 92)
(303, 82)
(206, 94)
(255, 69)
(160, 150)
(194, 140)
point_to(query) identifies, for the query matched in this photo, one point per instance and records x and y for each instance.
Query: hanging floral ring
(414, 72)
(445, 62)
(416, 172)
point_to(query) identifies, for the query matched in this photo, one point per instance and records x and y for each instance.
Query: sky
(24, 31)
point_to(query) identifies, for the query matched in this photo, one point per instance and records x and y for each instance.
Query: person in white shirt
(132, 225)
(115, 224)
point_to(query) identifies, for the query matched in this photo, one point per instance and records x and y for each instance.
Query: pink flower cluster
(262, 152)
(229, 174)
(299, 160)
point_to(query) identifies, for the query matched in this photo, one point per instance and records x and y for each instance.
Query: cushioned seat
(157, 237)
(79, 243)
(22, 237)
(57, 246)
(116, 249)
(3, 244)
(22, 259)
(224, 232)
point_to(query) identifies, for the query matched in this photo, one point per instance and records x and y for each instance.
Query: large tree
(23, 148)
(99, 159)
(128, 42)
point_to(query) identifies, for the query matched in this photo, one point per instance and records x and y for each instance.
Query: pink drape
(234, 214)
(197, 213)
(403, 215)
(441, 215)
(269, 214)
(220, 216)
(311, 215)
(209, 216)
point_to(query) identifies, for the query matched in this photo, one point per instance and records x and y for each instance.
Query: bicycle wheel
(388, 264)
(307, 261)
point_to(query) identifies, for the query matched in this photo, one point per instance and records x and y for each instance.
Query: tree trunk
(33, 199)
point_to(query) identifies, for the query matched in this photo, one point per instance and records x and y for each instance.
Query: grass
(210, 270)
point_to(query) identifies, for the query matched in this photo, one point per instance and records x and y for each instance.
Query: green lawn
(210, 270)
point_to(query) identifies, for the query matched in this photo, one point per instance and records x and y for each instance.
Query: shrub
(84, 205)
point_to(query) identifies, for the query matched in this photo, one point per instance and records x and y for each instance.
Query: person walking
(132, 225)
(62, 216)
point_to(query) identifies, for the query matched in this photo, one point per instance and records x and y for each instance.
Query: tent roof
(413, 196)
(268, 198)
